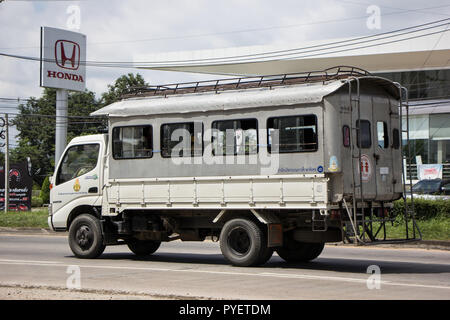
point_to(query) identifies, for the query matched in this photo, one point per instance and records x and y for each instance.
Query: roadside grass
(435, 228)
(28, 219)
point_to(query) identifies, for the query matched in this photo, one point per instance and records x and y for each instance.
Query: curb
(423, 244)
(29, 231)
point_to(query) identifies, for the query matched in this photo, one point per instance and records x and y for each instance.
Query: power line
(267, 55)
(278, 53)
(399, 11)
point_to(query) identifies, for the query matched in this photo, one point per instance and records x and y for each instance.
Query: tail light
(335, 215)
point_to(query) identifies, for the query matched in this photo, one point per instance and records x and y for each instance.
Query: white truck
(283, 163)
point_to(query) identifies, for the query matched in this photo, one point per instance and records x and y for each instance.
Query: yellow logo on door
(77, 186)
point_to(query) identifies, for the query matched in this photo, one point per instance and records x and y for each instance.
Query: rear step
(319, 222)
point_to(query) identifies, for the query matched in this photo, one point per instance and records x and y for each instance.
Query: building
(418, 59)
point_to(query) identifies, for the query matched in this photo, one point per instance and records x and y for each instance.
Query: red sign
(63, 46)
(366, 168)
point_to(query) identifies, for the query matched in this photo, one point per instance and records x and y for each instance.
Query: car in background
(23, 207)
(432, 189)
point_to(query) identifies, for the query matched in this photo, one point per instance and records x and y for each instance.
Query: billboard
(20, 187)
(63, 57)
(429, 171)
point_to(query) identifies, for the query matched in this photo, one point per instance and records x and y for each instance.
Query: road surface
(31, 266)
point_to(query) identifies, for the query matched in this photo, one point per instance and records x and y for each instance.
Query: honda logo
(67, 54)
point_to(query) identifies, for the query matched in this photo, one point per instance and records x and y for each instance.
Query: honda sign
(63, 56)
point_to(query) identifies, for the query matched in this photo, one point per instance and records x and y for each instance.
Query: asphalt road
(198, 270)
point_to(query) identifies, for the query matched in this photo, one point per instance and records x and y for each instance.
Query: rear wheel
(143, 248)
(294, 251)
(243, 243)
(85, 237)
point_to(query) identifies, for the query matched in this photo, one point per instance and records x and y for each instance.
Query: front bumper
(50, 216)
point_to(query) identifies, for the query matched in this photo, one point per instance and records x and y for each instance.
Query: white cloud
(109, 24)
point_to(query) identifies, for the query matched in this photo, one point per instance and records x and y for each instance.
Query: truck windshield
(77, 161)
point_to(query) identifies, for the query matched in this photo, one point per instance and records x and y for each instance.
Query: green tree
(45, 191)
(36, 122)
(36, 126)
(121, 86)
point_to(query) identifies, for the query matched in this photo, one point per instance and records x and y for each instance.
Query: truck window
(233, 137)
(383, 135)
(346, 136)
(292, 134)
(78, 160)
(364, 133)
(132, 142)
(182, 139)
(395, 139)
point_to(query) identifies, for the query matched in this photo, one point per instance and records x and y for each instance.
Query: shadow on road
(360, 266)
(343, 265)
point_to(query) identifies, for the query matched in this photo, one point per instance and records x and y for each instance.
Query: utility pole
(6, 164)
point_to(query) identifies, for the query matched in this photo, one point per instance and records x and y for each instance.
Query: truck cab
(77, 182)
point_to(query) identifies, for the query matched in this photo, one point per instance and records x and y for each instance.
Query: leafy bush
(425, 209)
(45, 191)
(36, 202)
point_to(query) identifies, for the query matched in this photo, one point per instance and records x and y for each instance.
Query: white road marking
(247, 274)
(29, 261)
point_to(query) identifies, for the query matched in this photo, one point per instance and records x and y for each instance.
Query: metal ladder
(409, 212)
(357, 184)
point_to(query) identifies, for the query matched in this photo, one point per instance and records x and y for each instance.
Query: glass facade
(429, 137)
(427, 84)
(429, 133)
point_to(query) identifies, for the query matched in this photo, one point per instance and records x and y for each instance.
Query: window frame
(129, 126)
(344, 129)
(269, 147)
(173, 123)
(57, 182)
(385, 135)
(396, 142)
(235, 153)
(358, 125)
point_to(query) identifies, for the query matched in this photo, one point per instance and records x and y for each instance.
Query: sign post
(63, 59)
(6, 169)
(61, 123)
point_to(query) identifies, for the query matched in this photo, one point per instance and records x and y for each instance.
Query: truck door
(78, 175)
(383, 153)
(365, 142)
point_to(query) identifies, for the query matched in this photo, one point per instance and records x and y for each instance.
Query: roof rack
(334, 73)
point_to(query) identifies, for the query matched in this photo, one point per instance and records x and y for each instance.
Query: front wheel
(85, 237)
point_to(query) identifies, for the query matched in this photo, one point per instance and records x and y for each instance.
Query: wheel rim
(84, 237)
(239, 241)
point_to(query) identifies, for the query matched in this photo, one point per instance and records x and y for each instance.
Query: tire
(265, 256)
(143, 248)
(294, 251)
(85, 237)
(243, 243)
